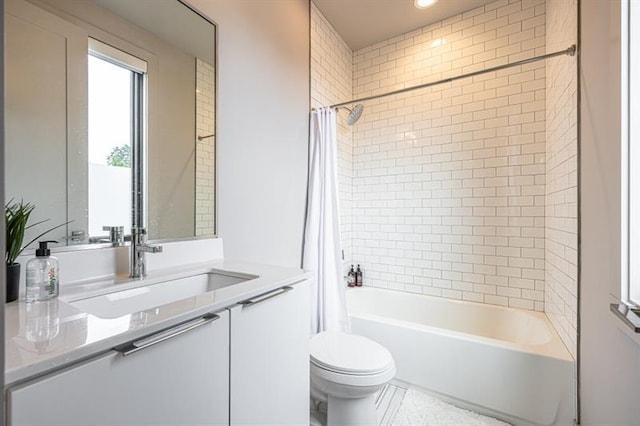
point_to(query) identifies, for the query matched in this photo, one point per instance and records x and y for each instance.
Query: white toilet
(346, 372)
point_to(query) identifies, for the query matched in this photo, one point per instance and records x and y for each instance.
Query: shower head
(354, 114)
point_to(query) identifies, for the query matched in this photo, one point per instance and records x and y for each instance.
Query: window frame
(630, 167)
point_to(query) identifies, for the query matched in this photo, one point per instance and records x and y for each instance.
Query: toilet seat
(345, 356)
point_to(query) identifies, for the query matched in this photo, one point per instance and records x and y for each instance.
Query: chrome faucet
(139, 248)
(116, 235)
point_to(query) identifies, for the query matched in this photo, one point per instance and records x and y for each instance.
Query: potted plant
(16, 215)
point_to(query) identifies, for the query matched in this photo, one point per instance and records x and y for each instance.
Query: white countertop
(43, 336)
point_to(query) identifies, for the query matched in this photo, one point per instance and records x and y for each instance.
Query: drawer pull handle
(263, 298)
(154, 339)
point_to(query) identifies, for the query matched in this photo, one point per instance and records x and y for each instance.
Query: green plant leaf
(37, 223)
(16, 215)
(44, 233)
(120, 156)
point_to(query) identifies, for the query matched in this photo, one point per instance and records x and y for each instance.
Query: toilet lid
(348, 353)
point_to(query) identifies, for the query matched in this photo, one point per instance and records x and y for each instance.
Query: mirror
(87, 83)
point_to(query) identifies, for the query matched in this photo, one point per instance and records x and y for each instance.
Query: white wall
(609, 358)
(561, 188)
(43, 119)
(331, 83)
(448, 186)
(262, 116)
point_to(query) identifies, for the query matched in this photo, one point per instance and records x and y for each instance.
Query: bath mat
(420, 409)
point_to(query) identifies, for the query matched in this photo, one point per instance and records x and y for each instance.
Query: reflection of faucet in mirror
(77, 237)
(139, 247)
(116, 235)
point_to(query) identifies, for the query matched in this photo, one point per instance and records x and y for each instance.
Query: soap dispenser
(358, 277)
(42, 275)
(351, 278)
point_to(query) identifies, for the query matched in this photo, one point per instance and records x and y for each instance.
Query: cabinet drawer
(174, 379)
(270, 358)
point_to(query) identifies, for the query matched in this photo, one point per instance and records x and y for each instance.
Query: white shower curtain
(322, 249)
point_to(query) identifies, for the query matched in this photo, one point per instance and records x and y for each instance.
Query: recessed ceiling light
(423, 4)
(438, 42)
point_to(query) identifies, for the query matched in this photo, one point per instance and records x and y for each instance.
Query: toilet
(346, 373)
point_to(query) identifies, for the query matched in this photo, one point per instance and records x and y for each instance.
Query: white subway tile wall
(449, 182)
(561, 247)
(205, 149)
(331, 82)
(466, 190)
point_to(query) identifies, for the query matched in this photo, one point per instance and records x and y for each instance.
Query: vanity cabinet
(270, 358)
(247, 364)
(179, 376)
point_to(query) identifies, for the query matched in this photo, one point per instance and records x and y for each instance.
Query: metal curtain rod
(571, 51)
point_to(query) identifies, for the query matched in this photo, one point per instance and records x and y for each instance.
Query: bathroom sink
(119, 303)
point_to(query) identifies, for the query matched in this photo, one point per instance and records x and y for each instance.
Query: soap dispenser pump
(42, 275)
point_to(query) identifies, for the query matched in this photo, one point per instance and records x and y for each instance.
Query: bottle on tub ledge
(351, 278)
(358, 277)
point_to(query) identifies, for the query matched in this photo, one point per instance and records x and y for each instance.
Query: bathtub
(503, 362)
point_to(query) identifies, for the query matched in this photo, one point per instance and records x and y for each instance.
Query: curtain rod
(571, 51)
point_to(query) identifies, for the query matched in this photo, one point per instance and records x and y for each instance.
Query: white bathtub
(503, 362)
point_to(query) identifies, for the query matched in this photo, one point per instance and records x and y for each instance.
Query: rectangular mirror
(87, 81)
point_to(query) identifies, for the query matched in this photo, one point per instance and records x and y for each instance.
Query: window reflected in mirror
(110, 119)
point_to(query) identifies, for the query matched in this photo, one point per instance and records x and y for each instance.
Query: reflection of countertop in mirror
(47, 335)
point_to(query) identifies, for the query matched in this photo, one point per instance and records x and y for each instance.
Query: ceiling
(362, 23)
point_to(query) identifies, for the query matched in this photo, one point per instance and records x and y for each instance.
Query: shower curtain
(322, 249)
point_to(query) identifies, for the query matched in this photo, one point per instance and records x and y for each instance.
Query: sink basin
(119, 303)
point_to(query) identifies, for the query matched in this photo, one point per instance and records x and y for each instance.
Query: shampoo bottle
(351, 277)
(358, 277)
(42, 275)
